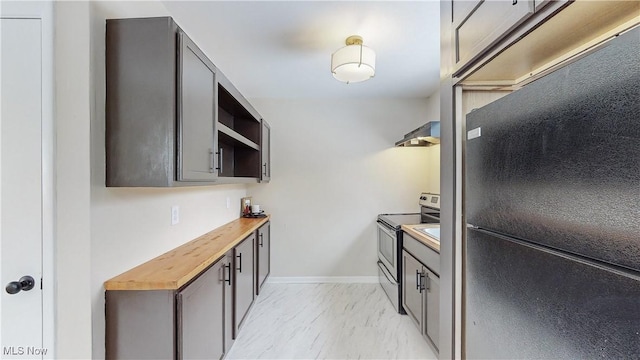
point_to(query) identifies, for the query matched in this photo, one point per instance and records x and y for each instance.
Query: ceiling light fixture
(354, 62)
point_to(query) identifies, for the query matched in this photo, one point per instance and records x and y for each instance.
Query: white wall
(73, 301)
(334, 168)
(132, 225)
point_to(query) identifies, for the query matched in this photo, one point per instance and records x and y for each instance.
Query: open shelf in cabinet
(237, 158)
(236, 117)
(238, 137)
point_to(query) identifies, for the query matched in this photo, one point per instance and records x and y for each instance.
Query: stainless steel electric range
(390, 244)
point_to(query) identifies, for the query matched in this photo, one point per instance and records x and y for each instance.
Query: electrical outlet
(175, 214)
(228, 202)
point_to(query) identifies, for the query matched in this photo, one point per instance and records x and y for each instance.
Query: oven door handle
(386, 229)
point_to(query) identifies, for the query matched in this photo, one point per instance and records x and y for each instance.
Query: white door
(21, 196)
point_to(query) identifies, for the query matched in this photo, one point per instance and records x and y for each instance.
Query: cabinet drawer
(423, 253)
(487, 23)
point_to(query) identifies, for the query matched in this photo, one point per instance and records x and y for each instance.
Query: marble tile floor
(327, 321)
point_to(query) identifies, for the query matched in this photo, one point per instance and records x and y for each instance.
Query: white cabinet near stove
(421, 288)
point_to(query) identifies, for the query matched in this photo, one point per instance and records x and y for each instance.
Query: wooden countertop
(422, 237)
(175, 268)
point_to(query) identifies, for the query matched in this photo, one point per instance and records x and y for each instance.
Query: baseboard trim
(324, 279)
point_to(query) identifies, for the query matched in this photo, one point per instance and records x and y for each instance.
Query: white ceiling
(282, 49)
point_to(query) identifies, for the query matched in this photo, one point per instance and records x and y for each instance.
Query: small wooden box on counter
(191, 301)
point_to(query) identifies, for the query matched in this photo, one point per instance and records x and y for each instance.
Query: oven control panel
(430, 200)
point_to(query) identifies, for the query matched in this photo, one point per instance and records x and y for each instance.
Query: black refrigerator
(552, 207)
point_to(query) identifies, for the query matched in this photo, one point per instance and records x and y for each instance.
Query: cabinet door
(487, 23)
(228, 300)
(265, 152)
(201, 316)
(412, 274)
(264, 248)
(432, 308)
(244, 284)
(197, 96)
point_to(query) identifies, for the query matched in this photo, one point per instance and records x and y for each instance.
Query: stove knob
(423, 198)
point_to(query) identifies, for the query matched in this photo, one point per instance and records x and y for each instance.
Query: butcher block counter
(175, 268)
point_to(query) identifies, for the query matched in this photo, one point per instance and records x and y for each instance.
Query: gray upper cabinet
(477, 25)
(141, 68)
(172, 117)
(160, 113)
(201, 316)
(197, 92)
(266, 152)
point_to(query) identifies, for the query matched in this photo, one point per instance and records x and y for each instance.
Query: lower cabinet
(197, 321)
(421, 297)
(244, 280)
(431, 329)
(412, 299)
(263, 250)
(228, 301)
(169, 324)
(200, 310)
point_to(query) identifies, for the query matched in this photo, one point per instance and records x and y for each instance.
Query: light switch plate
(175, 214)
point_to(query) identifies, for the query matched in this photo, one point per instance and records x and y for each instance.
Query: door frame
(44, 11)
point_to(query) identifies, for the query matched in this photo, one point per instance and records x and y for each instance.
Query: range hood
(426, 135)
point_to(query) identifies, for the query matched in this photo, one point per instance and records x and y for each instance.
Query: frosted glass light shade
(353, 63)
